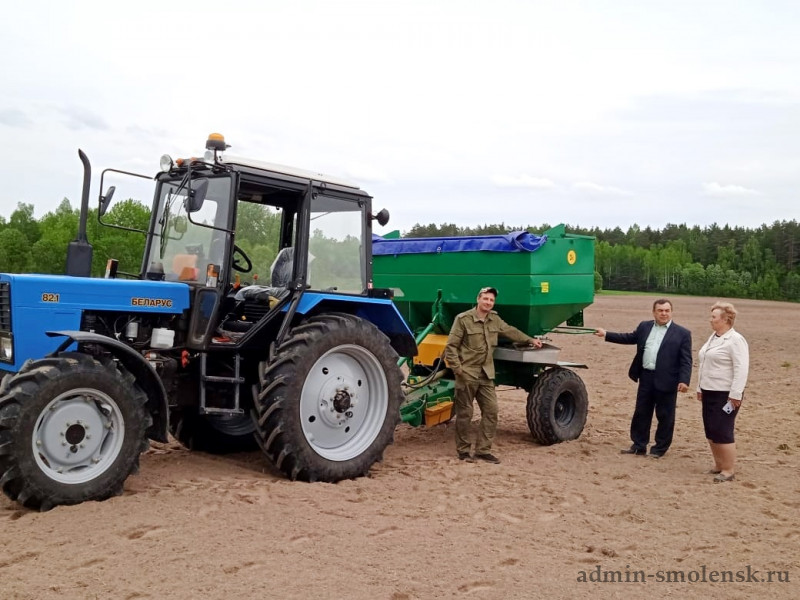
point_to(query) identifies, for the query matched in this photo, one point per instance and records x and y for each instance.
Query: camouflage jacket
(472, 341)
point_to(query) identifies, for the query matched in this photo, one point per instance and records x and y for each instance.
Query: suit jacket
(674, 358)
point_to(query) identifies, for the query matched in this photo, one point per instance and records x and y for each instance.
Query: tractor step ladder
(236, 381)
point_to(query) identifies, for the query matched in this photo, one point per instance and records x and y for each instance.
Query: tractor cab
(245, 235)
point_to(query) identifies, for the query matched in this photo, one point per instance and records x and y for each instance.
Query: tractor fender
(134, 362)
(379, 311)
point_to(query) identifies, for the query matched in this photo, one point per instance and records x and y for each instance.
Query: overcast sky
(605, 113)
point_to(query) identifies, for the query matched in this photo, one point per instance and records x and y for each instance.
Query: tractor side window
(258, 233)
(336, 245)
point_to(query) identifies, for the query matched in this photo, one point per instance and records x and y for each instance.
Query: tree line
(30, 245)
(734, 262)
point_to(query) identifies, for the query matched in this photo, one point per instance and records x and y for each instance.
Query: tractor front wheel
(330, 399)
(557, 406)
(71, 430)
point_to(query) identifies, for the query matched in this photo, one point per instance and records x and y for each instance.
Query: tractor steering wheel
(237, 266)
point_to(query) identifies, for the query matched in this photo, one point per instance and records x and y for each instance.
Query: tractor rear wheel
(215, 434)
(71, 430)
(557, 406)
(329, 400)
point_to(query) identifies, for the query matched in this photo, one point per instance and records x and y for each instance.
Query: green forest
(724, 261)
(29, 245)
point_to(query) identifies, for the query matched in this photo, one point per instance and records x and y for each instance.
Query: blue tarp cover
(516, 241)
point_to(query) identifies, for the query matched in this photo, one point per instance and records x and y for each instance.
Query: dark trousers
(649, 399)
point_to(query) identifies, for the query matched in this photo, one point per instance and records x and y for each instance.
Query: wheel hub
(337, 401)
(77, 435)
(341, 400)
(564, 409)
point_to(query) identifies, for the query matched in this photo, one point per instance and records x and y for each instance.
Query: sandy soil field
(546, 523)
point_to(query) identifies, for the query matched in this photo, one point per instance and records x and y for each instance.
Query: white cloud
(601, 190)
(366, 173)
(14, 118)
(523, 181)
(444, 111)
(716, 189)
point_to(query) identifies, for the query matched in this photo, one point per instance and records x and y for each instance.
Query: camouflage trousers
(481, 390)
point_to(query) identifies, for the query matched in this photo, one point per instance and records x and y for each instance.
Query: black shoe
(636, 451)
(465, 456)
(656, 454)
(488, 458)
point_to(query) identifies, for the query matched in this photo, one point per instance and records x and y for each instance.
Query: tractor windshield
(336, 246)
(181, 248)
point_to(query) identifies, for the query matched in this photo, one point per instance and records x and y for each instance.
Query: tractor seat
(282, 266)
(261, 294)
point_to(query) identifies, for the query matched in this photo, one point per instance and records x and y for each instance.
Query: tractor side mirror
(197, 195)
(105, 201)
(382, 217)
(180, 224)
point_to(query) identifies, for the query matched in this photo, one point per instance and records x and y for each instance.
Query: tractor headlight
(6, 348)
(166, 163)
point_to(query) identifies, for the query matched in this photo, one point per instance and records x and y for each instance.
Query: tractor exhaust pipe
(79, 251)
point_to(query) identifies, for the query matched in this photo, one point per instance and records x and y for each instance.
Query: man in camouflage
(468, 353)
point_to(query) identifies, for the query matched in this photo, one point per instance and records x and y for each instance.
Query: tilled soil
(546, 522)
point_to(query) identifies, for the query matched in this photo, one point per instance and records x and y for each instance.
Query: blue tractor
(253, 322)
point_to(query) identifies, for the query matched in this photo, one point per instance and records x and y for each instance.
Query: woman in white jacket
(724, 365)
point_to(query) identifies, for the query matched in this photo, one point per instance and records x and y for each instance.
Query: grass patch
(626, 293)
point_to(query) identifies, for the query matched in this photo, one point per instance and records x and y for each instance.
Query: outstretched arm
(618, 338)
(515, 335)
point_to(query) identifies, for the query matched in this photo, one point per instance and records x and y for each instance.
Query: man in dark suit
(663, 367)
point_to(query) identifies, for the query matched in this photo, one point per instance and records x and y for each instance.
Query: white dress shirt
(652, 345)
